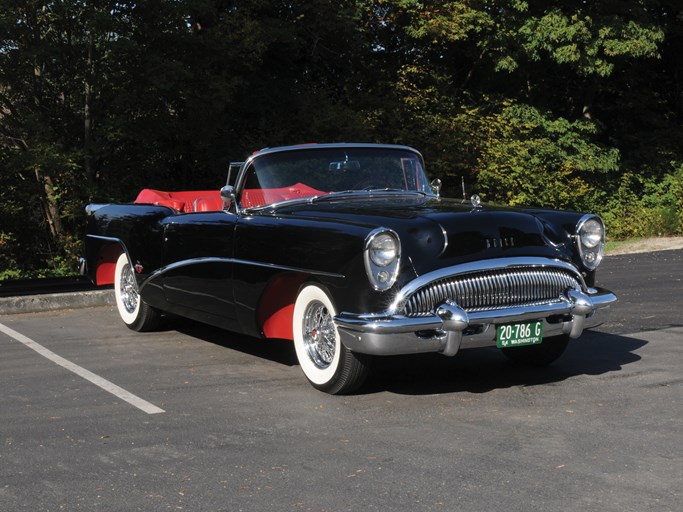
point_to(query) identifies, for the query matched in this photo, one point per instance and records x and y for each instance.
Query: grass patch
(616, 246)
(643, 244)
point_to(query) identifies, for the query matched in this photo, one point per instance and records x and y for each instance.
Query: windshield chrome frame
(241, 177)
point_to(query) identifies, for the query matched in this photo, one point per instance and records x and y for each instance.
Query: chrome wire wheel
(327, 364)
(319, 333)
(133, 310)
(128, 289)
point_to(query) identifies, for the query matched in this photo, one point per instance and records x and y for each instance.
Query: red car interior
(210, 200)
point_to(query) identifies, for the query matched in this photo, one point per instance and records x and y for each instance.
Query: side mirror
(435, 185)
(227, 195)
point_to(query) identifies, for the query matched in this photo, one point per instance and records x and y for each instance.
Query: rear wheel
(327, 363)
(134, 312)
(538, 355)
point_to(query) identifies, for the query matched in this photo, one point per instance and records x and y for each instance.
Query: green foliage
(531, 158)
(644, 206)
(590, 43)
(556, 103)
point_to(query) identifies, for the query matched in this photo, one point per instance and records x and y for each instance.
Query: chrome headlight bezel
(590, 240)
(382, 261)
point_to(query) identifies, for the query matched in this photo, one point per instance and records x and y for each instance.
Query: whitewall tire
(134, 312)
(325, 361)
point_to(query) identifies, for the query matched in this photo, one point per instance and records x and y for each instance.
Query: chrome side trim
(196, 261)
(108, 238)
(445, 241)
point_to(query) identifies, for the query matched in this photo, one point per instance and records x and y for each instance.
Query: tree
(529, 102)
(511, 90)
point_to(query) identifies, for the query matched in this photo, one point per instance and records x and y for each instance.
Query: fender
(134, 229)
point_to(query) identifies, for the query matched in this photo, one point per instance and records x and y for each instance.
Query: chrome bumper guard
(452, 327)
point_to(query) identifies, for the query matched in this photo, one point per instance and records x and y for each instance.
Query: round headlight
(383, 250)
(591, 233)
(590, 240)
(382, 258)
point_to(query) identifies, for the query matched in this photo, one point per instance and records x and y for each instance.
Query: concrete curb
(55, 301)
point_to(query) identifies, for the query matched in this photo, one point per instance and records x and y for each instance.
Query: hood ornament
(476, 201)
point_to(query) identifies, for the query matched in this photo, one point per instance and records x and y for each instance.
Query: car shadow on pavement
(482, 370)
(277, 351)
(479, 370)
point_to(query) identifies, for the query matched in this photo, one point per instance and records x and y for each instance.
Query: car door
(198, 261)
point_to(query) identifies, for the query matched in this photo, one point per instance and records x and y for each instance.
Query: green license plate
(518, 335)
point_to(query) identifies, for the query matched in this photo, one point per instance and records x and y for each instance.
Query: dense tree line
(559, 103)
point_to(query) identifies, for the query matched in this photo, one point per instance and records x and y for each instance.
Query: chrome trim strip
(336, 145)
(445, 241)
(387, 324)
(91, 208)
(108, 238)
(273, 266)
(338, 195)
(286, 202)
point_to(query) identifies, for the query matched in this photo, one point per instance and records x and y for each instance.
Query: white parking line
(112, 388)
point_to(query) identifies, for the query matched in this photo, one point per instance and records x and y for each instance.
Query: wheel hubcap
(320, 335)
(128, 289)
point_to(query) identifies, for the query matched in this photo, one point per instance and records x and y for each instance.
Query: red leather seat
(185, 201)
(208, 204)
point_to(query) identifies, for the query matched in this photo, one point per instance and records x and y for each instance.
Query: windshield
(289, 175)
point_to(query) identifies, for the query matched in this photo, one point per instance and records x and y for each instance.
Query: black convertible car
(349, 251)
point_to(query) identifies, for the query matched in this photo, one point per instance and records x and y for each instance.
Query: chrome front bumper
(452, 328)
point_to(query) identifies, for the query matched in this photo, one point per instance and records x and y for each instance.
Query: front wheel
(134, 312)
(327, 363)
(538, 355)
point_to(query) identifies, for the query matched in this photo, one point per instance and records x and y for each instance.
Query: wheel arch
(276, 306)
(103, 252)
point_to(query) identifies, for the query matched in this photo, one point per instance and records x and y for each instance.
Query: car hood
(440, 232)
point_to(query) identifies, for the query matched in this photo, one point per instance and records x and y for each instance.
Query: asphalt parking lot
(233, 425)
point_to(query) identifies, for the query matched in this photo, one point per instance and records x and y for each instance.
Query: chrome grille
(493, 289)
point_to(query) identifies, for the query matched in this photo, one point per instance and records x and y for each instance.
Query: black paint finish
(217, 267)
